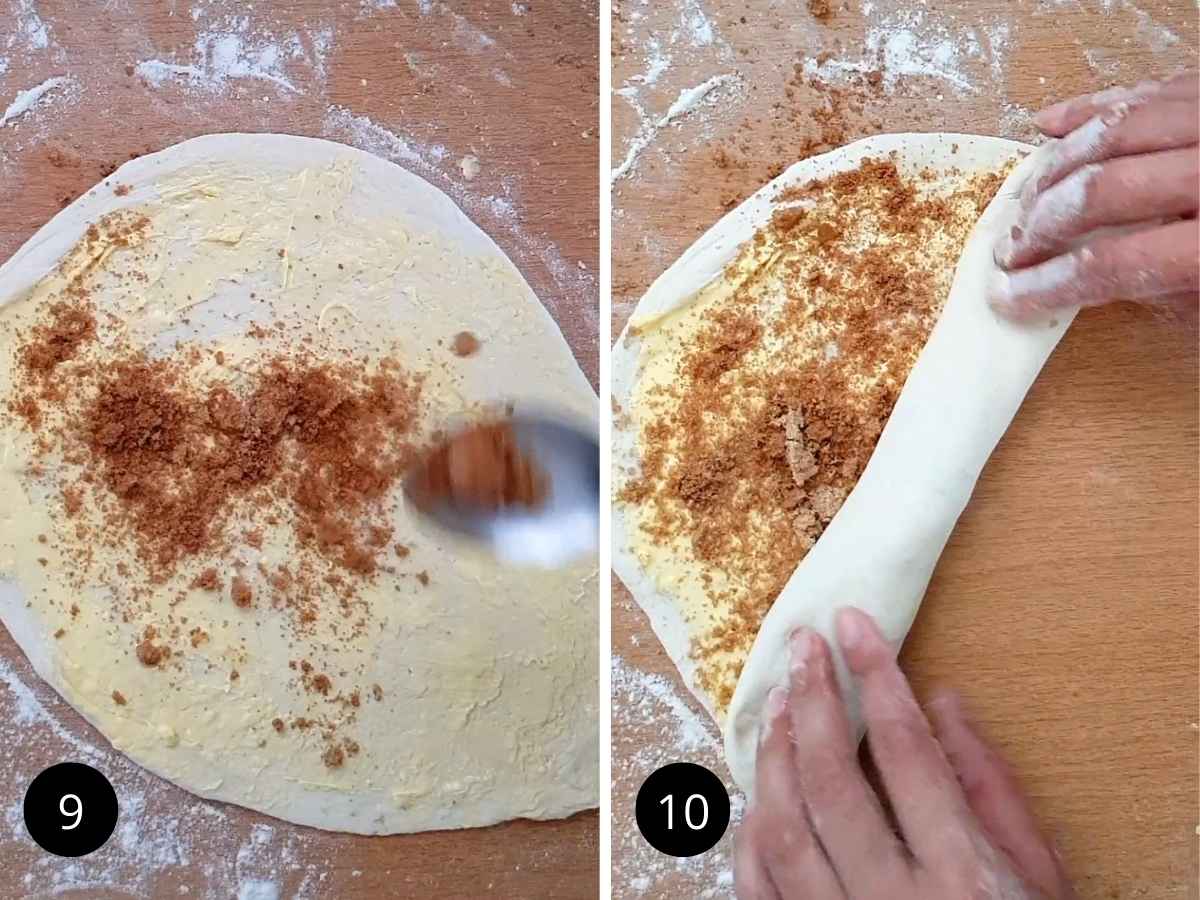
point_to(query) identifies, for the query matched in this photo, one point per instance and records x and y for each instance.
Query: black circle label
(682, 809)
(70, 809)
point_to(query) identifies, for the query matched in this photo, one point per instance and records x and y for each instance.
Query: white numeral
(77, 812)
(669, 802)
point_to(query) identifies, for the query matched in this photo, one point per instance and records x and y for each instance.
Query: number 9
(77, 812)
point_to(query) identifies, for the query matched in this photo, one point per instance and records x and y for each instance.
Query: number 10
(669, 802)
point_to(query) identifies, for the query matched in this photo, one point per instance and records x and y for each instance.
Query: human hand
(1125, 157)
(817, 831)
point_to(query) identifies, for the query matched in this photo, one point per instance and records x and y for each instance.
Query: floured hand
(817, 830)
(1124, 158)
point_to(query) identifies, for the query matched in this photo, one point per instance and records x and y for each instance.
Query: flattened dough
(487, 708)
(960, 396)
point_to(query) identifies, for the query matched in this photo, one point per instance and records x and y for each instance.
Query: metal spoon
(566, 526)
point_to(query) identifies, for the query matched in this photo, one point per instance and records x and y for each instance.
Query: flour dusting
(235, 49)
(160, 838)
(919, 42)
(666, 728)
(28, 99)
(31, 32)
(688, 100)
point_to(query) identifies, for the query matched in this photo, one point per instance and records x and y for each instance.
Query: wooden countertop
(1065, 606)
(425, 84)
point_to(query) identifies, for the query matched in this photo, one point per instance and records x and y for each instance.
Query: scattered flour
(645, 695)
(235, 49)
(695, 27)
(914, 41)
(657, 725)
(688, 100)
(158, 835)
(258, 890)
(31, 32)
(1157, 37)
(28, 99)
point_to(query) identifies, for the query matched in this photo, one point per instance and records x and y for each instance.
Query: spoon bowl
(565, 526)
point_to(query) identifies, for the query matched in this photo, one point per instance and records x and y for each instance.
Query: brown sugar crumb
(784, 389)
(118, 698)
(72, 501)
(376, 692)
(58, 340)
(423, 577)
(197, 636)
(821, 10)
(150, 654)
(234, 675)
(401, 551)
(208, 580)
(74, 610)
(480, 467)
(321, 684)
(465, 344)
(333, 757)
(278, 725)
(60, 632)
(121, 190)
(170, 461)
(241, 593)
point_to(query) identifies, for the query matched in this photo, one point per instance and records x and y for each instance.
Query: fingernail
(849, 629)
(999, 292)
(777, 699)
(801, 644)
(1002, 252)
(1115, 113)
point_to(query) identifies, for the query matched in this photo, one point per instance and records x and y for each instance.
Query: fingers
(925, 795)
(750, 878)
(996, 799)
(1139, 125)
(1122, 191)
(844, 811)
(778, 827)
(1152, 265)
(1063, 118)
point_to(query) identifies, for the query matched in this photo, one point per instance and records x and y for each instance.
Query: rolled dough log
(880, 550)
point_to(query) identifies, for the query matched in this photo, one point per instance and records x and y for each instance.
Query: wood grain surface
(425, 84)
(1065, 606)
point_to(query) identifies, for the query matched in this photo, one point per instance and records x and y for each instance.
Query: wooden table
(425, 84)
(1065, 604)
